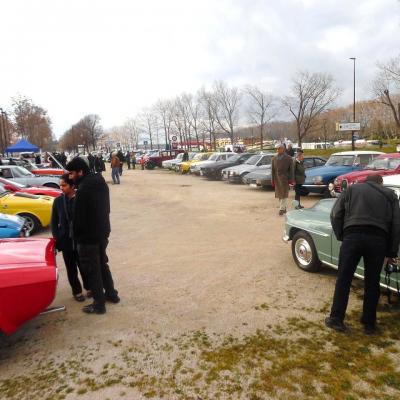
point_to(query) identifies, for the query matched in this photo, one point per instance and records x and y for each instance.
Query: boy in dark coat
(61, 228)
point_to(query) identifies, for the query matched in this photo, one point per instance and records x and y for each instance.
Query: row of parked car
(324, 177)
(26, 199)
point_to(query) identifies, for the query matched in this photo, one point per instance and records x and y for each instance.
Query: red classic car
(28, 280)
(38, 190)
(385, 164)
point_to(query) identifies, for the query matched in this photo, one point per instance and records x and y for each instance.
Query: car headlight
(331, 186)
(318, 180)
(233, 173)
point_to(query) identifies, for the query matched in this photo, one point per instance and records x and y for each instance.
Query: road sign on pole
(348, 126)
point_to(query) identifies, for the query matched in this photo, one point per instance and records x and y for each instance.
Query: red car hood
(26, 252)
(46, 191)
(360, 175)
(48, 171)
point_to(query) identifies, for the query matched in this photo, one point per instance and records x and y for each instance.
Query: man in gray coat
(282, 176)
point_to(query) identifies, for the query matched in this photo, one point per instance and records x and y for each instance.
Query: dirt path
(196, 263)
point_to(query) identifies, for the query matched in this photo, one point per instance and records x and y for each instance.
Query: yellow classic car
(184, 167)
(35, 209)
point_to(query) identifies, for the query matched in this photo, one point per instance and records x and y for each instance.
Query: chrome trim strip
(51, 310)
(310, 230)
(360, 276)
(316, 186)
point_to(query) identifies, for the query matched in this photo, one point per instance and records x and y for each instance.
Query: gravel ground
(195, 262)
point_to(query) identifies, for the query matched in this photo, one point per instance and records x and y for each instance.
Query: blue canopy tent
(22, 145)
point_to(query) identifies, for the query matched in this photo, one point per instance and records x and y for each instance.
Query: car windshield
(3, 191)
(16, 184)
(341, 160)
(235, 157)
(214, 157)
(253, 160)
(20, 171)
(200, 156)
(384, 163)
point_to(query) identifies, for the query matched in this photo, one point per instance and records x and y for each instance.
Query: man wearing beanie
(91, 229)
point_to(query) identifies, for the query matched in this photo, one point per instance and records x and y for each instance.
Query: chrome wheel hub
(303, 252)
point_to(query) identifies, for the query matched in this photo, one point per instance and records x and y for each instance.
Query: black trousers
(373, 250)
(297, 191)
(71, 262)
(94, 263)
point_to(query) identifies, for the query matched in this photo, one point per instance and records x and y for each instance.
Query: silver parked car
(23, 176)
(236, 173)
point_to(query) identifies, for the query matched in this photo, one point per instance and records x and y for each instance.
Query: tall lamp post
(354, 100)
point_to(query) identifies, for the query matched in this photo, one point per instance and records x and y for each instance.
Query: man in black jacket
(91, 227)
(366, 218)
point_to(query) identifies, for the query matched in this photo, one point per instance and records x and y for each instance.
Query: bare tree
(388, 78)
(225, 103)
(148, 118)
(261, 109)
(31, 121)
(208, 121)
(193, 111)
(131, 128)
(164, 109)
(312, 94)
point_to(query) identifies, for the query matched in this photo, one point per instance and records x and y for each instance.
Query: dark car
(214, 169)
(261, 177)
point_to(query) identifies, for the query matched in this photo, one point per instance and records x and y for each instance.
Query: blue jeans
(115, 174)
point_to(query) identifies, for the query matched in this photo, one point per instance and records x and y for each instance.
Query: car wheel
(31, 222)
(150, 165)
(52, 185)
(304, 191)
(304, 252)
(326, 194)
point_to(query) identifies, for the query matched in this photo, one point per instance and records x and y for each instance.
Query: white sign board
(348, 126)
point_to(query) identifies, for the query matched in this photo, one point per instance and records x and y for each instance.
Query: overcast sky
(113, 57)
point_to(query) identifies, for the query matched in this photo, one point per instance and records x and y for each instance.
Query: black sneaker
(113, 299)
(93, 309)
(335, 324)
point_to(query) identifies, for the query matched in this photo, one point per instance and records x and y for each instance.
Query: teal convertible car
(314, 243)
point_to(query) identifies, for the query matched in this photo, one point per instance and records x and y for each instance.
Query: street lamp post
(354, 100)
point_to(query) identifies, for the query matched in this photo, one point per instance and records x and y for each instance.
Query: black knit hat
(78, 164)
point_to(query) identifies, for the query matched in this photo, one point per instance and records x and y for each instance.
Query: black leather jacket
(368, 204)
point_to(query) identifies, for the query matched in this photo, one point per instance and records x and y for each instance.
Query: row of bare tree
(86, 132)
(224, 110)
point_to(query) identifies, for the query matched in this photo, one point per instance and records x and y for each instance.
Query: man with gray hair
(282, 176)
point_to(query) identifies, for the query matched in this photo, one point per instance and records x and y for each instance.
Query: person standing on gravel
(282, 176)
(366, 219)
(91, 229)
(61, 229)
(299, 176)
(115, 163)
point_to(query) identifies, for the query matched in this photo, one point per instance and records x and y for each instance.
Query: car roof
(355, 152)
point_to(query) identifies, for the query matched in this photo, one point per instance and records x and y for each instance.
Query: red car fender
(28, 280)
